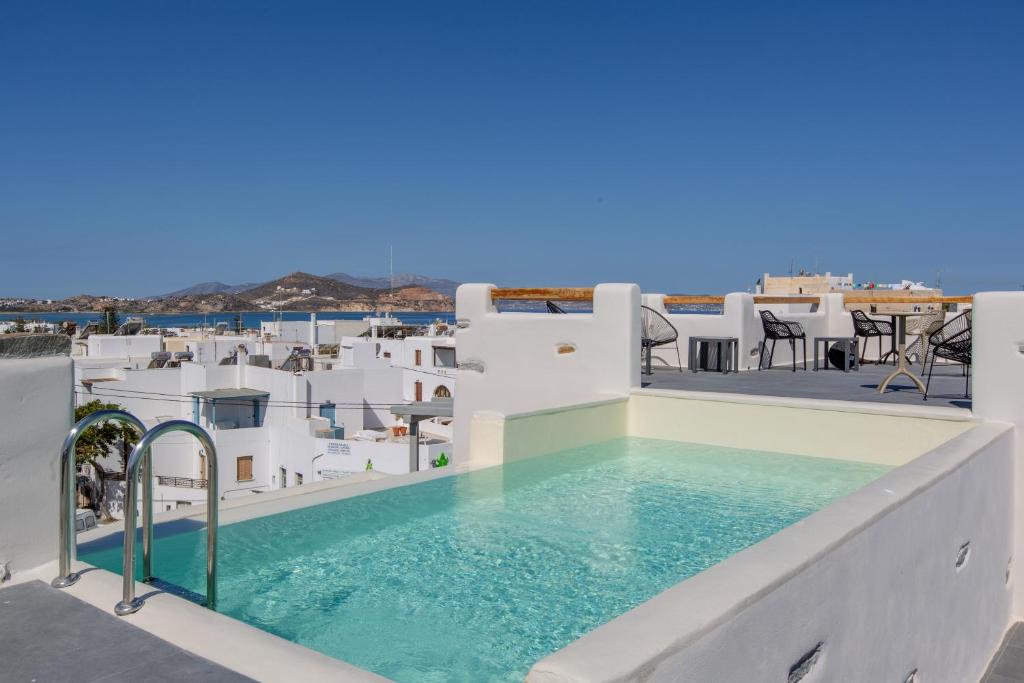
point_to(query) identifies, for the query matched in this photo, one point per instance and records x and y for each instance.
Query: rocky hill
(442, 285)
(295, 292)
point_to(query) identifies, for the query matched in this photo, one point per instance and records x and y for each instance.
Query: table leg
(892, 347)
(901, 360)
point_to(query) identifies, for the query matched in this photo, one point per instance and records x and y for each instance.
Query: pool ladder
(140, 460)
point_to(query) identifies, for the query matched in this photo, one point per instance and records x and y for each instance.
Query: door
(419, 391)
(329, 411)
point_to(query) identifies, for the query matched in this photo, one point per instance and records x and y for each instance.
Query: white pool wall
(872, 577)
(845, 430)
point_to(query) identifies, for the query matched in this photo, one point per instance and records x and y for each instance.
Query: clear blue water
(477, 576)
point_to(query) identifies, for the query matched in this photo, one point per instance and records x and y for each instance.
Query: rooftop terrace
(947, 387)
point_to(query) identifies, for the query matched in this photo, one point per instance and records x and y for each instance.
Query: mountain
(446, 287)
(305, 284)
(442, 285)
(305, 292)
(211, 288)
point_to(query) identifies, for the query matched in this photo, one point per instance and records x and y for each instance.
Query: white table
(901, 353)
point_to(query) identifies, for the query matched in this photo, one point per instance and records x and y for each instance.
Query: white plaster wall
(120, 346)
(37, 414)
(522, 369)
(998, 386)
(872, 577)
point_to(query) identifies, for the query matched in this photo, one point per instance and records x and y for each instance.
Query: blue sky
(145, 146)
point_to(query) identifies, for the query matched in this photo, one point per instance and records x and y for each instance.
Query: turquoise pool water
(477, 576)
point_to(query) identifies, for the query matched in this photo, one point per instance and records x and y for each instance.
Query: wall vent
(804, 664)
(471, 365)
(962, 556)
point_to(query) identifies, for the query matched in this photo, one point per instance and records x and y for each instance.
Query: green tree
(20, 324)
(99, 442)
(111, 320)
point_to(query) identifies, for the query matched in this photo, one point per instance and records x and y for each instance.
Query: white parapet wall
(37, 413)
(998, 387)
(740, 318)
(532, 363)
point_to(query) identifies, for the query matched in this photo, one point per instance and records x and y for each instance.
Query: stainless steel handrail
(69, 489)
(141, 458)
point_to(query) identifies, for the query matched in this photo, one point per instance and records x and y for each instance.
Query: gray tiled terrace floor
(1008, 664)
(48, 636)
(947, 388)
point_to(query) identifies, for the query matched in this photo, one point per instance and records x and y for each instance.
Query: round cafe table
(901, 354)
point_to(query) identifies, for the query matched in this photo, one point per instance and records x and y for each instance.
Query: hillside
(442, 285)
(211, 288)
(307, 292)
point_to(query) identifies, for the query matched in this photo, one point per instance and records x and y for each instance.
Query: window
(419, 357)
(387, 354)
(444, 357)
(284, 478)
(419, 390)
(442, 392)
(243, 468)
(298, 478)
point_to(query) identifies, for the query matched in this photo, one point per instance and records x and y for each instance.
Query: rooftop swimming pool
(479, 575)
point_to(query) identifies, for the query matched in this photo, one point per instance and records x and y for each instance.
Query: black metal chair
(553, 307)
(951, 342)
(656, 330)
(775, 329)
(866, 327)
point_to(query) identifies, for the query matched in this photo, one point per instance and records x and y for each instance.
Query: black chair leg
(771, 356)
(760, 356)
(805, 353)
(792, 349)
(863, 350)
(880, 356)
(967, 382)
(928, 384)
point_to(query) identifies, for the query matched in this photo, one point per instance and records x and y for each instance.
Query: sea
(250, 320)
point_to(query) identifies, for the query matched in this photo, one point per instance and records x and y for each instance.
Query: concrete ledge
(214, 636)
